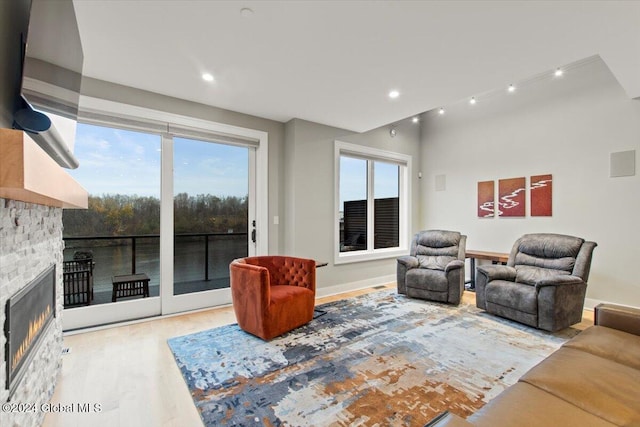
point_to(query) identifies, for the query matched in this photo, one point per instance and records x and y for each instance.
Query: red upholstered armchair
(272, 294)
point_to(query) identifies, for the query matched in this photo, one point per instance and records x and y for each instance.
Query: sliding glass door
(118, 235)
(212, 211)
(166, 216)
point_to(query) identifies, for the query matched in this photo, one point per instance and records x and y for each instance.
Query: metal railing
(134, 238)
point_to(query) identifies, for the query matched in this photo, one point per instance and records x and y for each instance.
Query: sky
(353, 180)
(116, 161)
(208, 168)
(126, 162)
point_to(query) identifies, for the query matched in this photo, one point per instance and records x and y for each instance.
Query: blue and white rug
(377, 360)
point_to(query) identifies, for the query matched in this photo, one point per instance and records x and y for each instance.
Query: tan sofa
(592, 380)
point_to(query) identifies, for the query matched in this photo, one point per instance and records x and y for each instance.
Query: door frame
(167, 303)
(172, 303)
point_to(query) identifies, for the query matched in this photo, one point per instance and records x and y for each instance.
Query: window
(120, 229)
(130, 156)
(372, 203)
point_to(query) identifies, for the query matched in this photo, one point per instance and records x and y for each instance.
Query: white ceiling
(334, 62)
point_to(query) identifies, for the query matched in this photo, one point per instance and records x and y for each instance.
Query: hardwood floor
(130, 371)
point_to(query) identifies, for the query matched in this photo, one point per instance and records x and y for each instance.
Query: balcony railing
(200, 258)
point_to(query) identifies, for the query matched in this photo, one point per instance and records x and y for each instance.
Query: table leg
(472, 274)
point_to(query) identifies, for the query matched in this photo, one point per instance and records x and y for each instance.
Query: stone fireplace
(30, 241)
(33, 192)
(28, 315)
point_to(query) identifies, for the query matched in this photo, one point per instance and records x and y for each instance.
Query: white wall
(309, 198)
(567, 127)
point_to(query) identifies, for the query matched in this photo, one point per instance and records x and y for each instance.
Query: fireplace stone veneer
(30, 241)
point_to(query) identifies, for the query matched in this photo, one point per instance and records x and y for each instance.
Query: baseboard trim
(354, 286)
(590, 303)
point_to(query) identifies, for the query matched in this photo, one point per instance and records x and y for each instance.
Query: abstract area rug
(376, 360)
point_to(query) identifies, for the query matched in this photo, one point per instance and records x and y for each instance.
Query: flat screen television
(51, 78)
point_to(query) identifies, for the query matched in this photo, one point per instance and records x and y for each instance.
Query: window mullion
(370, 205)
(403, 212)
(166, 223)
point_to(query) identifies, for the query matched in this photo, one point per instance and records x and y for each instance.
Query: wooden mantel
(29, 175)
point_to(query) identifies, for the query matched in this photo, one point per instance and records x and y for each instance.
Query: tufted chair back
(544, 255)
(434, 249)
(285, 270)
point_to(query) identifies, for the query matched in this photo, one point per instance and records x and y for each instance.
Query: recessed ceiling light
(441, 111)
(415, 120)
(207, 77)
(558, 72)
(394, 94)
(246, 12)
(472, 101)
(512, 88)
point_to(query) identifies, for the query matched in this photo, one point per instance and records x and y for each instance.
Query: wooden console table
(473, 255)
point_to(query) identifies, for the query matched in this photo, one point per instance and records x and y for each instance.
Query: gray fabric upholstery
(531, 275)
(543, 284)
(583, 261)
(435, 278)
(434, 268)
(491, 272)
(561, 264)
(514, 295)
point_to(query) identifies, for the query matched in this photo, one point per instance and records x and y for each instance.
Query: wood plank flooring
(130, 371)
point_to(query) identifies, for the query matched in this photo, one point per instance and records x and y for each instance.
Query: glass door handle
(253, 232)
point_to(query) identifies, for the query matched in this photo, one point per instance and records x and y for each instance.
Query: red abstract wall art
(511, 196)
(486, 205)
(541, 191)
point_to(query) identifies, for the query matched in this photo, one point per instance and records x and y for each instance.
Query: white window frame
(404, 192)
(130, 117)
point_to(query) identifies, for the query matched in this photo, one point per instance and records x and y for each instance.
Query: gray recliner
(434, 270)
(543, 284)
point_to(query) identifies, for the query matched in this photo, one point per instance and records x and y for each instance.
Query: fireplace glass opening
(28, 315)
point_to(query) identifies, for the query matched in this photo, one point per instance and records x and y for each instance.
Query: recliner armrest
(559, 281)
(454, 265)
(498, 272)
(626, 319)
(408, 261)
